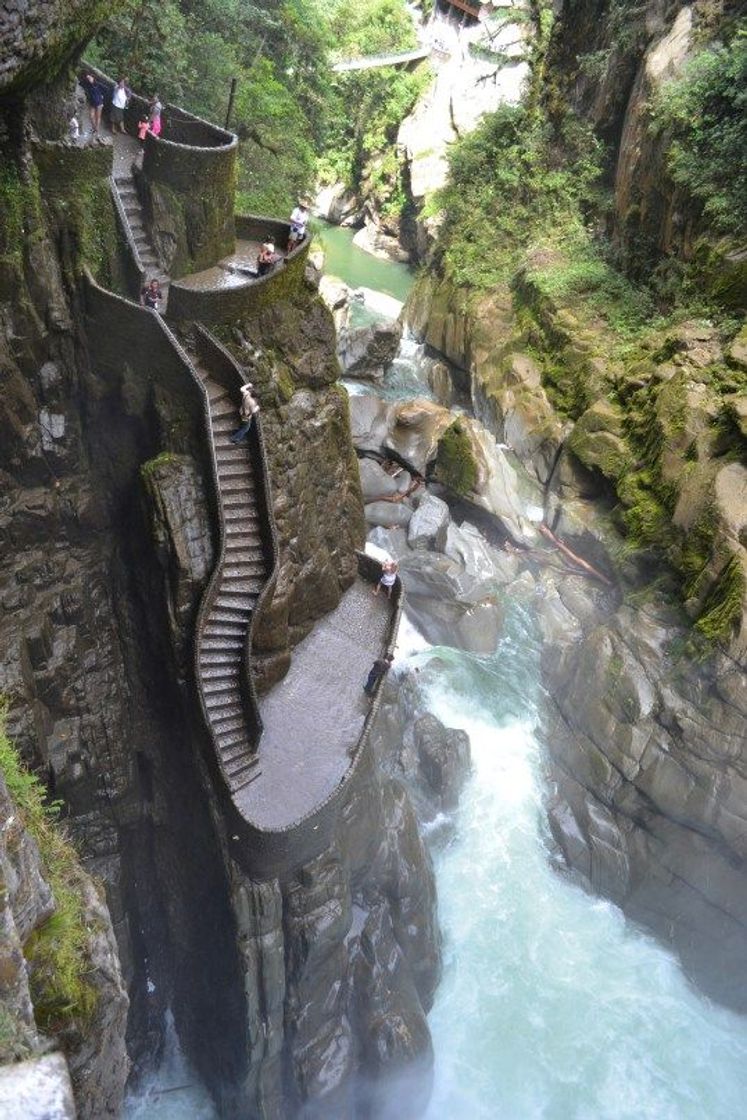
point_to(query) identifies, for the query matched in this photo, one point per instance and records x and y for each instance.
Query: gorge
(185, 626)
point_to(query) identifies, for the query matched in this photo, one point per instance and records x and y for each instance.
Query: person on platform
(120, 96)
(299, 220)
(388, 578)
(94, 92)
(248, 409)
(267, 259)
(379, 669)
(155, 108)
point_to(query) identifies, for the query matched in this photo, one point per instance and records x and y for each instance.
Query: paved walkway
(315, 715)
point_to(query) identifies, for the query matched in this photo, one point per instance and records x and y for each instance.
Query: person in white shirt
(120, 97)
(299, 220)
(248, 409)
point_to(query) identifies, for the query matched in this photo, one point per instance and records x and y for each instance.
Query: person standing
(155, 108)
(299, 220)
(379, 669)
(388, 577)
(120, 97)
(94, 92)
(248, 409)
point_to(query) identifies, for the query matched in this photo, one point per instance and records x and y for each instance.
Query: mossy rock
(456, 465)
(597, 441)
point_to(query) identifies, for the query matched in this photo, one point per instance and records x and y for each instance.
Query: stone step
(232, 454)
(217, 692)
(213, 658)
(240, 766)
(246, 572)
(228, 597)
(230, 754)
(217, 392)
(228, 725)
(224, 630)
(246, 780)
(220, 672)
(244, 554)
(232, 738)
(217, 703)
(222, 642)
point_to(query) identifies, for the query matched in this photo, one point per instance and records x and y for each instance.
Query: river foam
(552, 1006)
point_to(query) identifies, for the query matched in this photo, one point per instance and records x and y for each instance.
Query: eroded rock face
(344, 958)
(647, 756)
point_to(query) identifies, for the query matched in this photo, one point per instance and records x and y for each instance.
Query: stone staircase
(127, 191)
(233, 592)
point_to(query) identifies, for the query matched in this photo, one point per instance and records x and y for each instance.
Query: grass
(57, 952)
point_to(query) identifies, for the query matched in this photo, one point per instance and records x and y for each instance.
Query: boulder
(597, 440)
(416, 427)
(370, 420)
(375, 482)
(428, 524)
(336, 204)
(366, 351)
(439, 382)
(388, 514)
(379, 244)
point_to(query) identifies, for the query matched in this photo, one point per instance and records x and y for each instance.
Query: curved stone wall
(227, 305)
(189, 178)
(275, 854)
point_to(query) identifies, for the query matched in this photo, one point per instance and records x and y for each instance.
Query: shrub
(57, 952)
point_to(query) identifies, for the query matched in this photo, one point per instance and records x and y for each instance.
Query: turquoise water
(357, 268)
(552, 1006)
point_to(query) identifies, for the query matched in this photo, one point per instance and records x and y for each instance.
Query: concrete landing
(234, 271)
(315, 715)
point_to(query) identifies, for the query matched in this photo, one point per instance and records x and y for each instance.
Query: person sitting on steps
(151, 295)
(248, 409)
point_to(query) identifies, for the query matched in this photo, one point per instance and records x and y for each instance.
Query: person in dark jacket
(379, 669)
(94, 92)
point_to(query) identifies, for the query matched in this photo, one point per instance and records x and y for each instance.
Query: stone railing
(226, 305)
(196, 162)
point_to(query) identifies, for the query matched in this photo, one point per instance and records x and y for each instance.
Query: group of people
(96, 94)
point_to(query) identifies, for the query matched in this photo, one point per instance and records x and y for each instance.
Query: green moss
(57, 952)
(455, 463)
(165, 459)
(15, 1038)
(646, 519)
(725, 603)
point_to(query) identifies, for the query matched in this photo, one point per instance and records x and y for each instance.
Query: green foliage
(509, 188)
(705, 111)
(366, 107)
(455, 463)
(724, 605)
(57, 952)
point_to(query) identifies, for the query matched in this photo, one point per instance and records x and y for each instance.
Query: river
(552, 1006)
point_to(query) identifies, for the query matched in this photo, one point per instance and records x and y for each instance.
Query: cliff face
(637, 438)
(288, 998)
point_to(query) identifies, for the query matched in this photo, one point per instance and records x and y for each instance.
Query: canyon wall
(639, 446)
(292, 998)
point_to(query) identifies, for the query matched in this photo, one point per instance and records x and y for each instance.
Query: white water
(552, 1006)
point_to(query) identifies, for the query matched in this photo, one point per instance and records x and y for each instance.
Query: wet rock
(388, 515)
(37, 1089)
(375, 481)
(649, 795)
(414, 746)
(428, 524)
(366, 351)
(337, 205)
(372, 239)
(439, 381)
